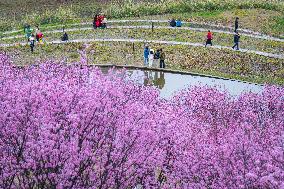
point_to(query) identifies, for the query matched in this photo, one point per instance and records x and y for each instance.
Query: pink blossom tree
(70, 126)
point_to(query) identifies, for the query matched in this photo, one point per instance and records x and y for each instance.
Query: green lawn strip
(230, 64)
(258, 20)
(169, 35)
(50, 14)
(264, 21)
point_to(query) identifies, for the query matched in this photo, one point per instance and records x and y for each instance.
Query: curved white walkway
(245, 32)
(154, 41)
(155, 27)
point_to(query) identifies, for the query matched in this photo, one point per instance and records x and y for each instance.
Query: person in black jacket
(236, 24)
(32, 42)
(173, 23)
(236, 40)
(95, 21)
(64, 37)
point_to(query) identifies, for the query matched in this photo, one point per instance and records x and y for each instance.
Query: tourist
(151, 57)
(64, 37)
(104, 23)
(178, 23)
(28, 32)
(36, 32)
(95, 21)
(236, 40)
(32, 42)
(173, 23)
(156, 58)
(101, 18)
(39, 36)
(146, 55)
(236, 24)
(209, 38)
(162, 59)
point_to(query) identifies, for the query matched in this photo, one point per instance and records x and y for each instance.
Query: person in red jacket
(101, 18)
(40, 37)
(98, 23)
(209, 38)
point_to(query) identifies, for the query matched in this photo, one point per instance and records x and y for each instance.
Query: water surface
(170, 83)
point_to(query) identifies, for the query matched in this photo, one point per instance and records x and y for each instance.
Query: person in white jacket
(151, 57)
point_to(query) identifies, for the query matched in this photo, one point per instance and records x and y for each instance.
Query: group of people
(236, 36)
(33, 37)
(175, 23)
(100, 21)
(154, 59)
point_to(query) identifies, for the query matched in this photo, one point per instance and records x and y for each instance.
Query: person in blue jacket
(178, 23)
(146, 55)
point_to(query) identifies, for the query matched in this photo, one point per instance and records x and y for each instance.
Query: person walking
(236, 41)
(236, 24)
(32, 42)
(146, 55)
(162, 58)
(209, 38)
(151, 58)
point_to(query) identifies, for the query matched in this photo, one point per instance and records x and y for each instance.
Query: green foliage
(67, 13)
(279, 25)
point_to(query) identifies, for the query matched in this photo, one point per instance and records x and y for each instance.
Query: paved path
(224, 29)
(156, 27)
(279, 56)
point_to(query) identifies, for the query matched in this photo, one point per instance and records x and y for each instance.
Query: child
(151, 58)
(32, 42)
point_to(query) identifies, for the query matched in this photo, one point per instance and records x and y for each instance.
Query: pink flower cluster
(69, 126)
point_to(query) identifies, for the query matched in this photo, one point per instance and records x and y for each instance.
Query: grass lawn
(258, 15)
(170, 35)
(230, 64)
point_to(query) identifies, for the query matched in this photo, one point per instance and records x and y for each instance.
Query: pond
(169, 83)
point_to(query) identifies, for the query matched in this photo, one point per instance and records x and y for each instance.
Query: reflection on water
(154, 78)
(170, 83)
